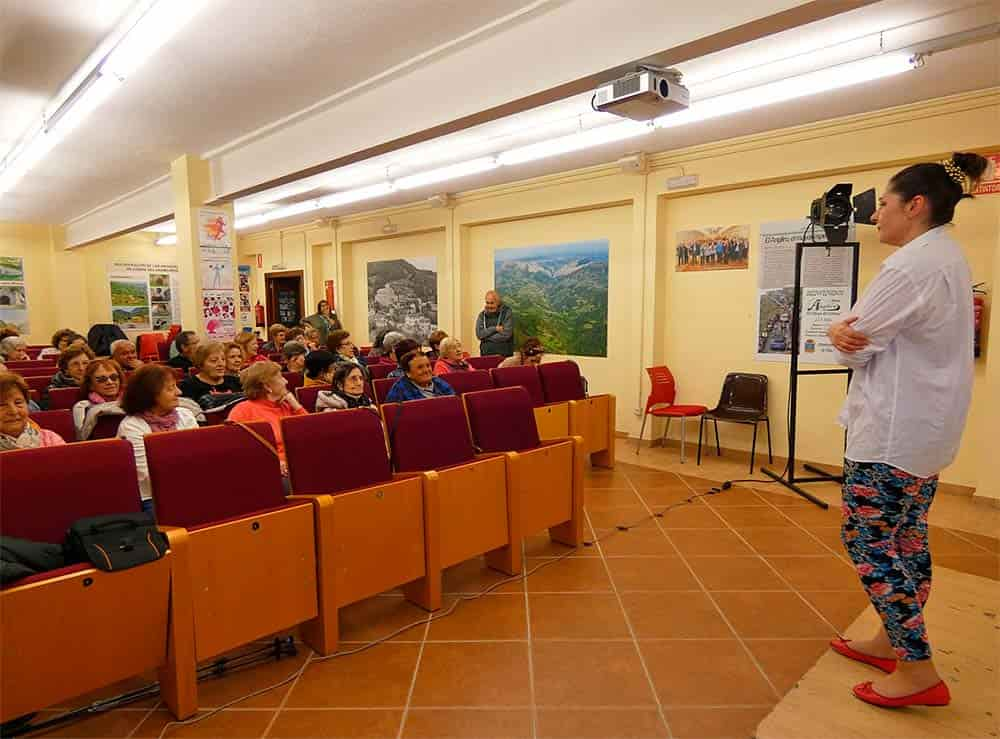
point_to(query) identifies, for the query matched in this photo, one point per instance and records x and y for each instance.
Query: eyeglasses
(105, 378)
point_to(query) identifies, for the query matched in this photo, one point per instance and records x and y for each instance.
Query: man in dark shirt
(495, 327)
(186, 343)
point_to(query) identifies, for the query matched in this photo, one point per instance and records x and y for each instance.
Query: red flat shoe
(935, 695)
(840, 646)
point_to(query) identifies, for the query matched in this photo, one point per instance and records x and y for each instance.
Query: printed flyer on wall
(144, 296)
(246, 309)
(13, 294)
(826, 292)
(218, 281)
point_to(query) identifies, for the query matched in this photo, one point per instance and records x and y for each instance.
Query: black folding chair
(743, 400)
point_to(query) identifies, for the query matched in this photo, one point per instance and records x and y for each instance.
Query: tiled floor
(693, 624)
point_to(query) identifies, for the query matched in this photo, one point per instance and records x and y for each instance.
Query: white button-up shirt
(912, 384)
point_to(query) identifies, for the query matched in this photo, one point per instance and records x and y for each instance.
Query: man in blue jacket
(495, 327)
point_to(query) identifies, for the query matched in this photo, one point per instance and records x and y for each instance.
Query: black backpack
(115, 542)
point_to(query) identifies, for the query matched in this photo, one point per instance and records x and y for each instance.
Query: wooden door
(284, 298)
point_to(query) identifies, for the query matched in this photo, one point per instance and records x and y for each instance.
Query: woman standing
(323, 320)
(909, 341)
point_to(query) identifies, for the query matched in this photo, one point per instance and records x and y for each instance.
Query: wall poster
(402, 295)
(13, 294)
(991, 185)
(826, 292)
(144, 296)
(245, 307)
(218, 283)
(559, 293)
(712, 248)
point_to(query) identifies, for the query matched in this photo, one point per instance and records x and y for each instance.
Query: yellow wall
(33, 243)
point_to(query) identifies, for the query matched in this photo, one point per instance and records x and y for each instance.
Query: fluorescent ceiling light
(353, 196)
(163, 227)
(166, 240)
(574, 142)
(161, 20)
(823, 80)
(451, 172)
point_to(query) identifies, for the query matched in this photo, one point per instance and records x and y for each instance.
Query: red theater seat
(382, 388)
(380, 371)
(294, 380)
(592, 417)
(77, 629)
(106, 427)
(254, 565)
(485, 363)
(526, 376)
(545, 477)
(60, 421)
(468, 382)
(379, 523)
(38, 383)
(307, 396)
(64, 397)
(468, 491)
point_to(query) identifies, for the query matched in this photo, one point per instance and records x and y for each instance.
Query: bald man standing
(495, 327)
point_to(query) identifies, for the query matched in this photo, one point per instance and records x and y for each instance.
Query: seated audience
(343, 349)
(531, 353)
(72, 367)
(60, 341)
(234, 359)
(312, 339)
(376, 352)
(295, 356)
(186, 343)
(123, 351)
(419, 382)
(102, 385)
(388, 344)
(452, 357)
(268, 399)
(319, 368)
(17, 430)
(401, 348)
(211, 377)
(295, 334)
(13, 349)
(276, 336)
(8, 329)
(434, 342)
(248, 342)
(151, 402)
(348, 390)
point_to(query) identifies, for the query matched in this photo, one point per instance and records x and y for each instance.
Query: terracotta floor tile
(741, 517)
(782, 540)
(608, 518)
(473, 575)
(943, 542)
(771, 615)
(376, 617)
(735, 496)
(649, 478)
(981, 565)
(540, 545)
(708, 541)
(224, 725)
(490, 617)
(736, 573)
(674, 615)
(781, 498)
(705, 673)
(375, 678)
(568, 576)
(221, 690)
(840, 609)
(700, 484)
(651, 573)
(430, 723)
(601, 498)
(693, 516)
(786, 660)
(830, 535)
(715, 723)
(642, 540)
(668, 495)
(306, 724)
(599, 724)
(816, 573)
(605, 479)
(989, 543)
(473, 675)
(814, 517)
(577, 616)
(112, 724)
(589, 674)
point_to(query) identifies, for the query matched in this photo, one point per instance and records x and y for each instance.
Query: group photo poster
(826, 292)
(713, 248)
(13, 294)
(144, 296)
(402, 296)
(558, 293)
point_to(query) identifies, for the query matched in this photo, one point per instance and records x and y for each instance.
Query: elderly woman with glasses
(102, 385)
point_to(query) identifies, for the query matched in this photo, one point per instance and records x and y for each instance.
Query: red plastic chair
(60, 421)
(490, 361)
(469, 382)
(660, 404)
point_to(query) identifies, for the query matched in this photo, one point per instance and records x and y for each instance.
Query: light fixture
(163, 227)
(574, 142)
(451, 172)
(353, 196)
(145, 29)
(803, 85)
(166, 240)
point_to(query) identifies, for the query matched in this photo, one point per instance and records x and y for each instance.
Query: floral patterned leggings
(885, 532)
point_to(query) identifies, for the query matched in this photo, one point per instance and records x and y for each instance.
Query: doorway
(284, 298)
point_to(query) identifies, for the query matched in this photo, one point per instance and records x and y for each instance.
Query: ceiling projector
(647, 93)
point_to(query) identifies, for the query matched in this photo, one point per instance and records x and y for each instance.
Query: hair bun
(973, 166)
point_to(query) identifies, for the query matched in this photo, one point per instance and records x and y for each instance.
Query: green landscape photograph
(126, 293)
(559, 293)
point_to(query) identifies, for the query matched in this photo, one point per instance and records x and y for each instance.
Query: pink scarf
(96, 399)
(161, 423)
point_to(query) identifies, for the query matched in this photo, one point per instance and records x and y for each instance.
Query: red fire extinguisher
(978, 305)
(258, 311)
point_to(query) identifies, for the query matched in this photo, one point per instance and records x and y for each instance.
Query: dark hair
(404, 347)
(335, 338)
(934, 182)
(88, 378)
(343, 370)
(531, 347)
(293, 333)
(380, 338)
(182, 340)
(72, 353)
(436, 338)
(144, 386)
(319, 305)
(407, 359)
(318, 362)
(62, 333)
(10, 381)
